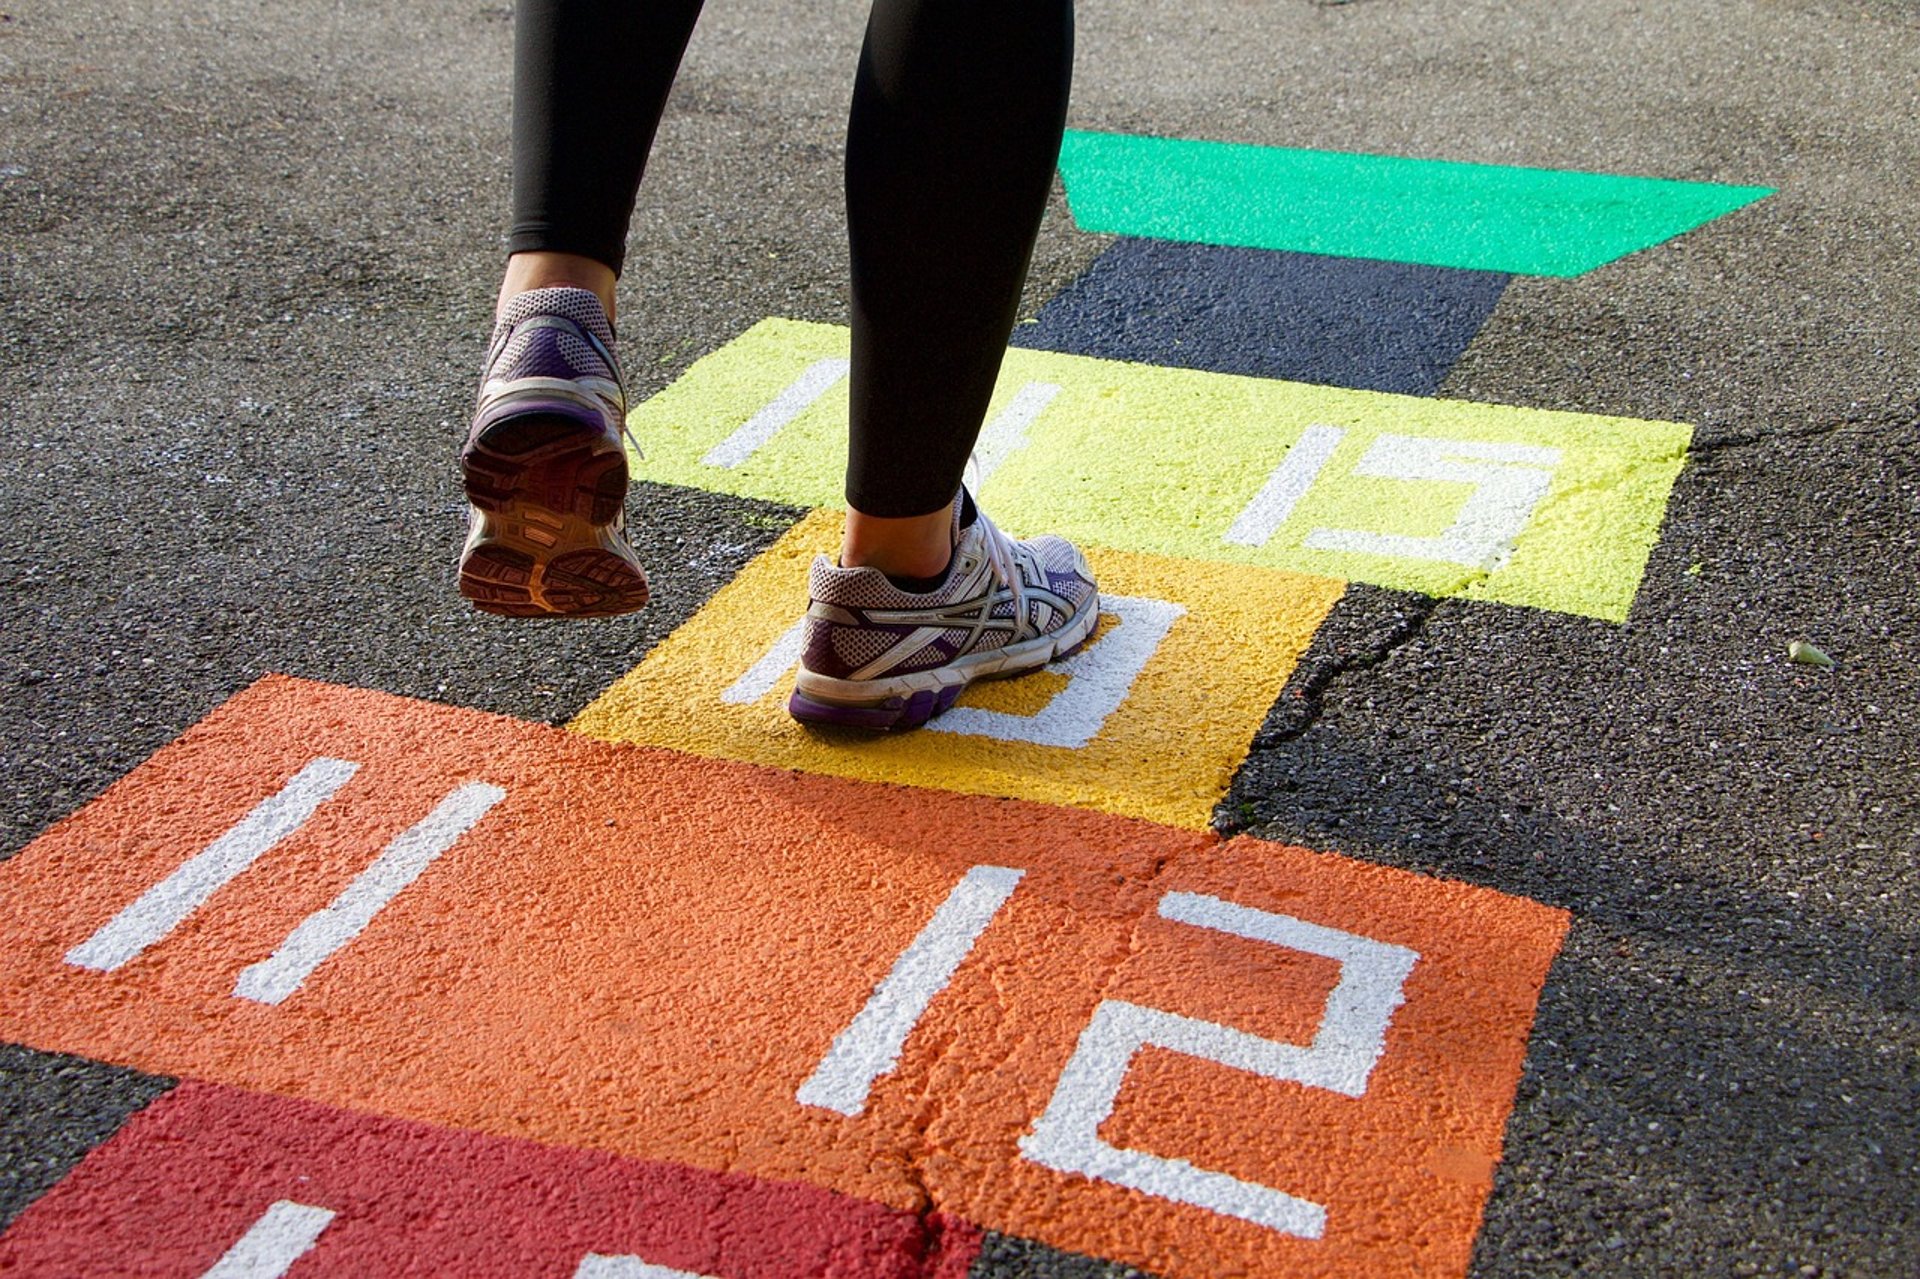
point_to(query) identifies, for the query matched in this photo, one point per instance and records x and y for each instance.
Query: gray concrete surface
(247, 251)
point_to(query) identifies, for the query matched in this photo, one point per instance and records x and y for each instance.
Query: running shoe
(546, 468)
(878, 657)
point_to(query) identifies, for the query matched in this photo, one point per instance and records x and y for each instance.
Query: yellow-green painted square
(1483, 501)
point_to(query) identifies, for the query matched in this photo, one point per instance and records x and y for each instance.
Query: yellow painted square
(1167, 752)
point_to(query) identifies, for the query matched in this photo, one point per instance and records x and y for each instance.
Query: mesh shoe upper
(544, 340)
(861, 626)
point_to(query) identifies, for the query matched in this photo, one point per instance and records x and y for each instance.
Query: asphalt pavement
(247, 258)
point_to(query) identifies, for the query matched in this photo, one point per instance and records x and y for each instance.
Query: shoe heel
(548, 493)
(540, 460)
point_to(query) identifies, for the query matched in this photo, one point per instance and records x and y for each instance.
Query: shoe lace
(605, 351)
(1004, 559)
(626, 430)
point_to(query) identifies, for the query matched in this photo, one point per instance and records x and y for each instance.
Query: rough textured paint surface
(644, 954)
(187, 1177)
(1163, 753)
(1373, 326)
(1440, 212)
(1165, 461)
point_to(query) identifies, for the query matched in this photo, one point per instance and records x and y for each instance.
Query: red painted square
(188, 1176)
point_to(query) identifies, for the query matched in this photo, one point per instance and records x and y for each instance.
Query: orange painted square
(1403, 1170)
(646, 954)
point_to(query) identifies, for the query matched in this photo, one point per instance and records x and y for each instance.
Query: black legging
(958, 107)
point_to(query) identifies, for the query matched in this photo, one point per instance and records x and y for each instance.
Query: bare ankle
(542, 270)
(917, 546)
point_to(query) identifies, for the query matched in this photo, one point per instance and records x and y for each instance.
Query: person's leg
(590, 81)
(955, 128)
(545, 464)
(956, 123)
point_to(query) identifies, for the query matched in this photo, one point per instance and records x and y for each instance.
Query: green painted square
(1437, 212)
(1521, 506)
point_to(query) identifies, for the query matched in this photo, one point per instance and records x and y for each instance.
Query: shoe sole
(547, 494)
(909, 701)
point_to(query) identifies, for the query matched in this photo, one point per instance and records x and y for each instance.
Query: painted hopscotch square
(1269, 1057)
(1122, 1039)
(1520, 506)
(210, 1175)
(1149, 720)
(1486, 217)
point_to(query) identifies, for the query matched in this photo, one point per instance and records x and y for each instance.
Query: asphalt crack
(1302, 705)
(1862, 419)
(1327, 662)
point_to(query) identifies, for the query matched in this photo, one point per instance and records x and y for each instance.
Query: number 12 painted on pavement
(1348, 1042)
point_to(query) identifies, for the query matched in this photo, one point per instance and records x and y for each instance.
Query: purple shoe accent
(878, 718)
(819, 653)
(838, 650)
(896, 714)
(1064, 583)
(542, 355)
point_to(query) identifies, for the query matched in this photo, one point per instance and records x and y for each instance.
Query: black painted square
(1374, 326)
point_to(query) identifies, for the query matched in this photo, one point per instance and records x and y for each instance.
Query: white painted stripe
(1099, 677)
(399, 864)
(1289, 483)
(282, 1235)
(1353, 1027)
(596, 1266)
(160, 909)
(1348, 1043)
(870, 1045)
(1509, 481)
(765, 673)
(786, 406)
(1007, 433)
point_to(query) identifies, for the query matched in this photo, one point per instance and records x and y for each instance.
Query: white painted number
(1000, 439)
(760, 678)
(870, 1045)
(1006, 434)
(1348, 1043)
(1099, 677)
(283, 1234)
(1286, 486)
(596, 1266)
(1509, 481)
(328, 929)
(799, 396)
(287, 1231)
(162, 908)
(815, 382)
(1351, 1038)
